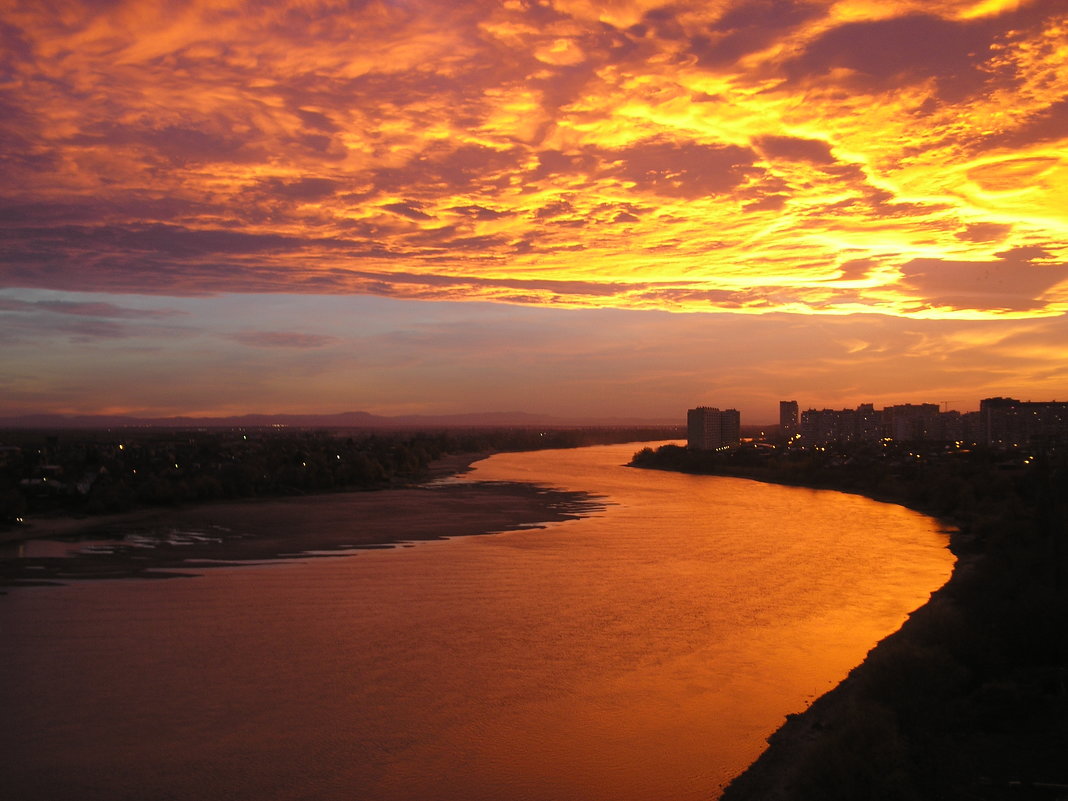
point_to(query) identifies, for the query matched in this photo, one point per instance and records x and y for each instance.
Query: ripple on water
(644, 652)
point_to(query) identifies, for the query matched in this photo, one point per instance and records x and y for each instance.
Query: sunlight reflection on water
(641, 653)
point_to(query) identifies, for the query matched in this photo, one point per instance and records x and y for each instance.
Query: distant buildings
(709, 428)
(1004, 422)
(1000, 422)
(912, 422)
(788, 419)
(834, 425)
(1007, 421)
(845, 425)
(906, 422)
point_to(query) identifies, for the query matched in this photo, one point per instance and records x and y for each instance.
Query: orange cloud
(826, 157)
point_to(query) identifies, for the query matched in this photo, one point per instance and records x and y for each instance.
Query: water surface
(643, 653)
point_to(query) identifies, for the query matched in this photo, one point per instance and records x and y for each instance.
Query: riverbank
(967, 700)
(165, 542)
(61, 526)
(957, 704)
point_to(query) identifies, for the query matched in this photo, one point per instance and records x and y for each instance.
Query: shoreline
(959, 533)
(187, 540)
(779, 772)
(62, 526)
(968, 699)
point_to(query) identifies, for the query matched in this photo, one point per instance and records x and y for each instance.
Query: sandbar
(191, 538)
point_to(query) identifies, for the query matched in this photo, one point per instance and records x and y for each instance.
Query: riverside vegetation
(968, 700)
(110, 471)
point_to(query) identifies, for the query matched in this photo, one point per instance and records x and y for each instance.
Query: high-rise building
(913, 422)
(827, 425)
(709, 428)
(867, 423)
(1007, 421)
(788, 419)
(863, 424)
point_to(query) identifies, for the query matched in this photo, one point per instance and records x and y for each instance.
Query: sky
(567, 207)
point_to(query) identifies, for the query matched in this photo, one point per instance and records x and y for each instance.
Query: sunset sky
(558, 206)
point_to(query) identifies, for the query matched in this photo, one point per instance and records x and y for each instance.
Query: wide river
(644, 652)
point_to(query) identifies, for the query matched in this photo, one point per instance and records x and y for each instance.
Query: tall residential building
(867, 423)
(1007, 421)
(709, 428)
(913, 422)
(827, 425)
(788, 419)
(1004, 420)
(863, 424)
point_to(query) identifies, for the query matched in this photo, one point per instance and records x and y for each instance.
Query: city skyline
(563, 208)
(790, 413)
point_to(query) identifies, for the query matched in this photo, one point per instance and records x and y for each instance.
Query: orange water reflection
(644, 653)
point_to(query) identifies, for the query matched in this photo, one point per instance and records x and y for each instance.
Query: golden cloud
(746, 157)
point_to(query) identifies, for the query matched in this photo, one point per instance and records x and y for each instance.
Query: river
(640, 654)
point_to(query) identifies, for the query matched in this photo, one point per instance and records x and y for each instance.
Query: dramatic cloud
(740, 157)
(840, 196)
(1015, 284)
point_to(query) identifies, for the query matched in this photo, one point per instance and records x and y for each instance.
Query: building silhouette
(862, 424)
(1008, 422)
(912, 422)
(788, 419)
(709, 428)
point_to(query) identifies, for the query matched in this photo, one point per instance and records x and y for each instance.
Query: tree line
(97, 472)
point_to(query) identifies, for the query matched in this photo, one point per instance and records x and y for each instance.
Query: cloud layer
(906, 157)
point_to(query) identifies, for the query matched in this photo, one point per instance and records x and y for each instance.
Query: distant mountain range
(342, 420)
